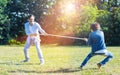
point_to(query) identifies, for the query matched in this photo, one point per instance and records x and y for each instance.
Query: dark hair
(95, 26)
(29, 16)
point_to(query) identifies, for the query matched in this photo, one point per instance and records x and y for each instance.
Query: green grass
(59, 60)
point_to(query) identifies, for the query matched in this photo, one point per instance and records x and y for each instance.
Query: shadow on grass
(21, 63)
(95, 69)
(61, 70)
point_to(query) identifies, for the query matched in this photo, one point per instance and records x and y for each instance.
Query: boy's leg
(86, 60)
(39, 51)
(107, 59)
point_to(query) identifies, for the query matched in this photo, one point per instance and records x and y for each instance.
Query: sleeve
(27, 31)
(103, 34)
(89, 39)
(40, 29)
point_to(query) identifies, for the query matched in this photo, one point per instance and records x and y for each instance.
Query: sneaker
(99, 65)
(26, 60)
(81, 67)
(41, 62)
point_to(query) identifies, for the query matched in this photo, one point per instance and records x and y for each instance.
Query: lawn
(59, 60)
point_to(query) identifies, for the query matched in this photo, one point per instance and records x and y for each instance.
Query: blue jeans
(103, 62)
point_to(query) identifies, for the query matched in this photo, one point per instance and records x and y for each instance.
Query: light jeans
(100, 52)
(36, 42)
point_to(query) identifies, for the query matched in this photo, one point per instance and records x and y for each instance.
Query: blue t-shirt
(96, 40)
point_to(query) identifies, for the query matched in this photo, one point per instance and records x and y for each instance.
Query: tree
(4, 26)
(114, 27)
(63, 17)
(70, 18)
(110, 21)
(18, 10)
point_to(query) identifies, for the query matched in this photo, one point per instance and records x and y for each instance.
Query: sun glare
(68, 8)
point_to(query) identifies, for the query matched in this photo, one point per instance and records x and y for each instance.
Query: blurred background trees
(4, 23)
(61, 17)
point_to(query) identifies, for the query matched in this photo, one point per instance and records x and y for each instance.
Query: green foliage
(14, 42)
(4, 25)
(48, 13)
(114, 27)
(110, 22)
(3, 17)
(108, 16)
(18, 10)
(103, 18)
(88, 15)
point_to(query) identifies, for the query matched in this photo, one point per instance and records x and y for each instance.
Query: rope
(63, 36)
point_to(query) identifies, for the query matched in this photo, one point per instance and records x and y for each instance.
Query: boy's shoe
(99, 65)
(81, 67)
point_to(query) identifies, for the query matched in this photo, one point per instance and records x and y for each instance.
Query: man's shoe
(99, 65)
(42, 62)
(26, 60)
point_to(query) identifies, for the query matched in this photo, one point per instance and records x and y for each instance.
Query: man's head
(31, 18)
(95, 26)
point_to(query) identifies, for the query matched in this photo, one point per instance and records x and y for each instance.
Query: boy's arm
(89, 42)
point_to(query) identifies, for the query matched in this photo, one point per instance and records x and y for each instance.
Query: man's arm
(41, 30)
(27, 31)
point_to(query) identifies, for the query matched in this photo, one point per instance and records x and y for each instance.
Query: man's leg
(39, 51)
(26, 48)
(86, 60)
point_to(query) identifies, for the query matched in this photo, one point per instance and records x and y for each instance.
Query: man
(32, 30)
(97, 42)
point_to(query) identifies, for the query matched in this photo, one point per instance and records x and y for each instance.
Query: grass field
(59, 60)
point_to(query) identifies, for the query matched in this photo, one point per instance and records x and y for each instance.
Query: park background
(60, 17)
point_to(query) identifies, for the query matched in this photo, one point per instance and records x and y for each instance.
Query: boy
(97, 42)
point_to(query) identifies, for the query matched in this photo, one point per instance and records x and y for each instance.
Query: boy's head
(95, 26)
